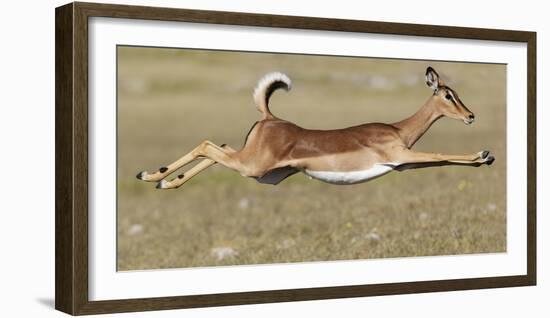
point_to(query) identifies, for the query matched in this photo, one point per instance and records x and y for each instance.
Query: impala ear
(432, 79)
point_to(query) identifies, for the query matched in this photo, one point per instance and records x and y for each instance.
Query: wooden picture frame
(71, 90)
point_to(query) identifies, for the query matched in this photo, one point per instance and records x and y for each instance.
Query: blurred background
(169, 100)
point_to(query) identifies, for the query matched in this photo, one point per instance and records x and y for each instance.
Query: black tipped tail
(266, 86)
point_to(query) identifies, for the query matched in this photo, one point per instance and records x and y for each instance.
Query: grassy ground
(171, 100)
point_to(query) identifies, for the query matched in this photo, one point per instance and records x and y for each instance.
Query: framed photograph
(211, 158)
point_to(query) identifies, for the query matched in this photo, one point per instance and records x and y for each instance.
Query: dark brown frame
(71, 142)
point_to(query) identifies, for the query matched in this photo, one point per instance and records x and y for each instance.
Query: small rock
(135, 229)
(244, 203)
(223, 252)
(287, 243)
(373, 236)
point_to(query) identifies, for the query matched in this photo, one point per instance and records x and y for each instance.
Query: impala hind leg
(183, 178)
(164, 171)
(409, 159)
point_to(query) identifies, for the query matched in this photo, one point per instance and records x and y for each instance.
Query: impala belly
(352, 177)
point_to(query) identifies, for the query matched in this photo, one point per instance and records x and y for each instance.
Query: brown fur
(275, 149)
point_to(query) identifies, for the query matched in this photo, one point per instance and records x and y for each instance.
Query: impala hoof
(163, 184)
(484, 154)
(141, 175)
(489, 161)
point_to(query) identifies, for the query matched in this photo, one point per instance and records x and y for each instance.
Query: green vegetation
(170, 100)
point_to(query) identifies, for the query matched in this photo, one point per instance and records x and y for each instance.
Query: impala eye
(448, 96)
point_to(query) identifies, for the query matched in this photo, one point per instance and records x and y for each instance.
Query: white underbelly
(352, 177)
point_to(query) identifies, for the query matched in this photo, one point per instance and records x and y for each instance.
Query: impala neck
(412, 128)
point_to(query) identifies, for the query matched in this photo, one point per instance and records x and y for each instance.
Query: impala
(275, 149)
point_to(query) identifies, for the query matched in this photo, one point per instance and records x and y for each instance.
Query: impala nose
(469, 119)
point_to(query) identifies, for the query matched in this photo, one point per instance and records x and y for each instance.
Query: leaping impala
(275, 149)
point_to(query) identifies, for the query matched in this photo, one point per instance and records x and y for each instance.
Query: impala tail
(266, 86)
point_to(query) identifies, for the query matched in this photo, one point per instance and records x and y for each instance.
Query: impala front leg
(408, 159)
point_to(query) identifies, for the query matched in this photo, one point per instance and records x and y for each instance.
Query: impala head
(446, 99)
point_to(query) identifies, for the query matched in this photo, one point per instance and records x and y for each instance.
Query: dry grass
(171, 100)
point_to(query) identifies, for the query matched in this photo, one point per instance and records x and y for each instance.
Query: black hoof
(180, 176)
(161, 184)
(484, 154)
(490, 160)
(140, 175)
(163, 169)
